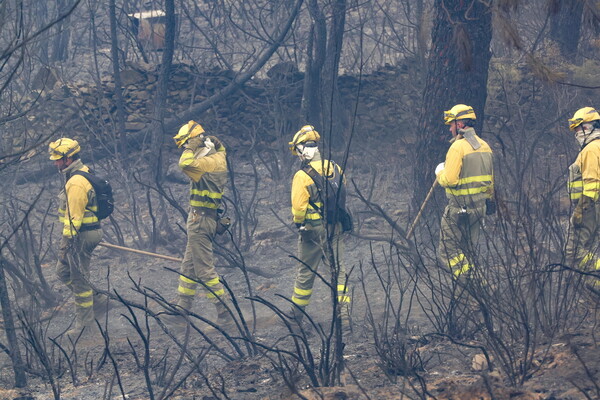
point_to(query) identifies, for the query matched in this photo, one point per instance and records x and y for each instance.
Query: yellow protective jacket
(468, 174)
(305, 191)
(584, 173)
(208, 177)
(77, 202)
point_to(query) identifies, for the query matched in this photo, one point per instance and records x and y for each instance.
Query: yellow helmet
(63, 147)
(459, 111)
(305, 134)
(188, 131)
(585, 114)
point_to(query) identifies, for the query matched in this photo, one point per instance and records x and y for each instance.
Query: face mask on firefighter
(307, 150)
(584, 133)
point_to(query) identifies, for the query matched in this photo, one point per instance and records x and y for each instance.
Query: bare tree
(458, 71)
(565, 26)
(160, 97)
(60, 48)
(120, 104)
(322, 105)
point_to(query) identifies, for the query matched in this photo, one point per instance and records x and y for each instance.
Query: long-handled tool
(146, 253)
(414, 224)
(256, 271)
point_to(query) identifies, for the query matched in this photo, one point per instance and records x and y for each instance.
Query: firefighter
(81, 233)
(204, 161)
(308, 217)
(467, 176)
(584, 188)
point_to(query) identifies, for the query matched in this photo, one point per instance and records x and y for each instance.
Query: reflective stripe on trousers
(459, 233)
(198, 261)
(311, 251)
(74, 272)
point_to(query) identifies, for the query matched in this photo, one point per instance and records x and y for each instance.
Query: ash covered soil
(203, 364)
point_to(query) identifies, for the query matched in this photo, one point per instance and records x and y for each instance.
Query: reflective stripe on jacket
(208, 177)
(468, 174)
(304, 191)
(77, 203)
(575, 183)
(584, 173)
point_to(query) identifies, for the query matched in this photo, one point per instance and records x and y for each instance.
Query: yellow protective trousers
(582, 239)
(312, 248)
(459, 234)
(73, 269)
(198, 262)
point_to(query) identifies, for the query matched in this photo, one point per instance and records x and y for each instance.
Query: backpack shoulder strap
(86, 175)
(317, 179)
(89, 176)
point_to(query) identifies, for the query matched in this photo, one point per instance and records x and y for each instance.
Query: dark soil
(566, 368)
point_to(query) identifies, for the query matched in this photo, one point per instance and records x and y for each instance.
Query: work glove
(298, 225)
(204, 150)
(577, 216)
(216, 142)
(208, 143)
(584, 204)
(223, 225)
(439, 168)
(193, 143)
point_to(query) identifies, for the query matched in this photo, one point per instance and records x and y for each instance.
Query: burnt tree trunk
(421, 35)
(457, 73)
(156, 154)
(565, 26)
(317, 45)
(334, 117)
(120, 103)
(321, 105)
(160, 98)
(61, 41)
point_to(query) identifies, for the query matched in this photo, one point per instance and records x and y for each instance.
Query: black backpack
(333, 197)
(104, 193)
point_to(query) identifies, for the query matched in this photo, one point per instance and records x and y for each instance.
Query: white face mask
(580, 137)
(306, 152)
(586, 134)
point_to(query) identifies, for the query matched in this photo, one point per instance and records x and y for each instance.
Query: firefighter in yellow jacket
(204, 161)
(313, 244)
(584, 190)
(81, 232)
(467, 176)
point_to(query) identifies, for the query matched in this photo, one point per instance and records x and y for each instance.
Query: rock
(134, 126)
(479, 363)
(282, 70)
(131, 77)
(349, 392)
